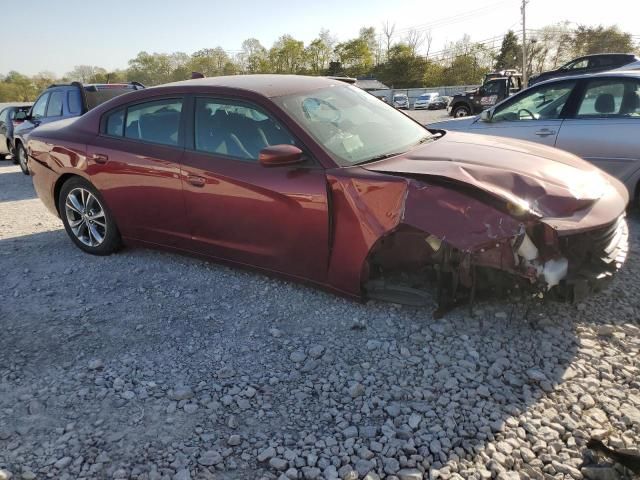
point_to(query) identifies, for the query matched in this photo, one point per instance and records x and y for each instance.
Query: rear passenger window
(74, 101)
(235, 129)
(611, 98)
(156, 122)
(54, 109)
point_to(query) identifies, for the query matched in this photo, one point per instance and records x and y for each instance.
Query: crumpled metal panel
(367, 208)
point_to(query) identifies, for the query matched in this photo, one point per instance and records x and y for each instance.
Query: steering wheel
(533, 117)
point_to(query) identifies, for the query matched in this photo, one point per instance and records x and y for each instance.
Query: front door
(271, 217)
(533, 115)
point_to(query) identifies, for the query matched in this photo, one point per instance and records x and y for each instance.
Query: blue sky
(39, 36)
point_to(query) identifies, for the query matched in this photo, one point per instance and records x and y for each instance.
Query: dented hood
(551, 182)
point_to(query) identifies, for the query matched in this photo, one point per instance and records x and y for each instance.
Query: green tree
(254, 57)
(510, 55)
(319, 51)
(210, 61)
(355, 56)
(403, 69)
(287, 55)
(587, 40)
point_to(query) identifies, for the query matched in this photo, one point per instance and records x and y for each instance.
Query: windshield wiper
(388, 155)
(379, 157)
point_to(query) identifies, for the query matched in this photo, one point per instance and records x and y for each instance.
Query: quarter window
(235, 129)
(543, 103)
(54, 109)
(40, 106)
(611, 98)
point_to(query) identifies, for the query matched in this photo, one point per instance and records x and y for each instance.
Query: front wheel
(21, 153)
(86, 219)
(461, 111)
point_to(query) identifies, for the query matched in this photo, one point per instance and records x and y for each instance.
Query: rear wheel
(461, 111)
(21, 154)
(86, 219)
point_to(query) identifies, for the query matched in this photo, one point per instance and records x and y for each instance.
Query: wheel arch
(64, 178)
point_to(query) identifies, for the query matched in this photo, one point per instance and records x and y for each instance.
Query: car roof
(610, 54)
(268, 85)
(607, 74)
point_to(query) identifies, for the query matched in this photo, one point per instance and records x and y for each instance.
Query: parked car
(423, 101)
(596, 117)
(401, 101)
(63, 101)
(10, 117)
(494, 90)
(438, 103)
(317, 180)
(588, 64)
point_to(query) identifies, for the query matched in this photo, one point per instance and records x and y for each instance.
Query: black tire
(21, 155)
(461, 111)
(94, 230)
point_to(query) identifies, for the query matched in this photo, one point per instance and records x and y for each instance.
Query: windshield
(352, 125)
(424, 97)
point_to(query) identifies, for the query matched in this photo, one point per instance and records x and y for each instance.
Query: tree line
(398, 62)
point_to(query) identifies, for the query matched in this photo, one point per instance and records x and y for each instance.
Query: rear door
(271, 217)
(605, 125)
(135, 162)
(534, 115)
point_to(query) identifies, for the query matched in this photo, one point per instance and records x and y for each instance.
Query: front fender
(367, 207)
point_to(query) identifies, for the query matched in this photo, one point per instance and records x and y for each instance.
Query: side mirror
(284, 154)
(486, 115)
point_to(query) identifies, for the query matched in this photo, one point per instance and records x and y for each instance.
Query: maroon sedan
(316, 180)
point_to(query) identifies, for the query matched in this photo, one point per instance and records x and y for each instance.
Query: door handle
(100, 158)
(545, 132)
(196, 181)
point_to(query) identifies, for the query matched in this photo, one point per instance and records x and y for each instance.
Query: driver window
(492, 88)
(544, 103)
(236, 129)
(39, 106)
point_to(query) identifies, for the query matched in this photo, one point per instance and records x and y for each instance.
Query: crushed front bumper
(594, 257)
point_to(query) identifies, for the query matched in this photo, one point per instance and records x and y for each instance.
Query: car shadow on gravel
(13, 186)
(160, 357)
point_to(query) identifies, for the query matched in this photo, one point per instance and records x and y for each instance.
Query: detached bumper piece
(594, 257)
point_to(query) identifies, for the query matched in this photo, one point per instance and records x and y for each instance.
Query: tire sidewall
(463, 108)
(20, 151)
(112, 241)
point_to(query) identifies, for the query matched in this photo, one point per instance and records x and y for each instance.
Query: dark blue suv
(64, 101)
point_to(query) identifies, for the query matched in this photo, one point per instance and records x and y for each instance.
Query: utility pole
(525, 77)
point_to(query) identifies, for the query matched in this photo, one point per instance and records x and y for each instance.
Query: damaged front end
(466, 241)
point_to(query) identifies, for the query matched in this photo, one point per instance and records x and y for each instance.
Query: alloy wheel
(86, 217)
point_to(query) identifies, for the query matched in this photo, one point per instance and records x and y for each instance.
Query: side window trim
(190, 132)
(181, 131)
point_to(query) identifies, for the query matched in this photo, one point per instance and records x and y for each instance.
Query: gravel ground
(150, 365)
